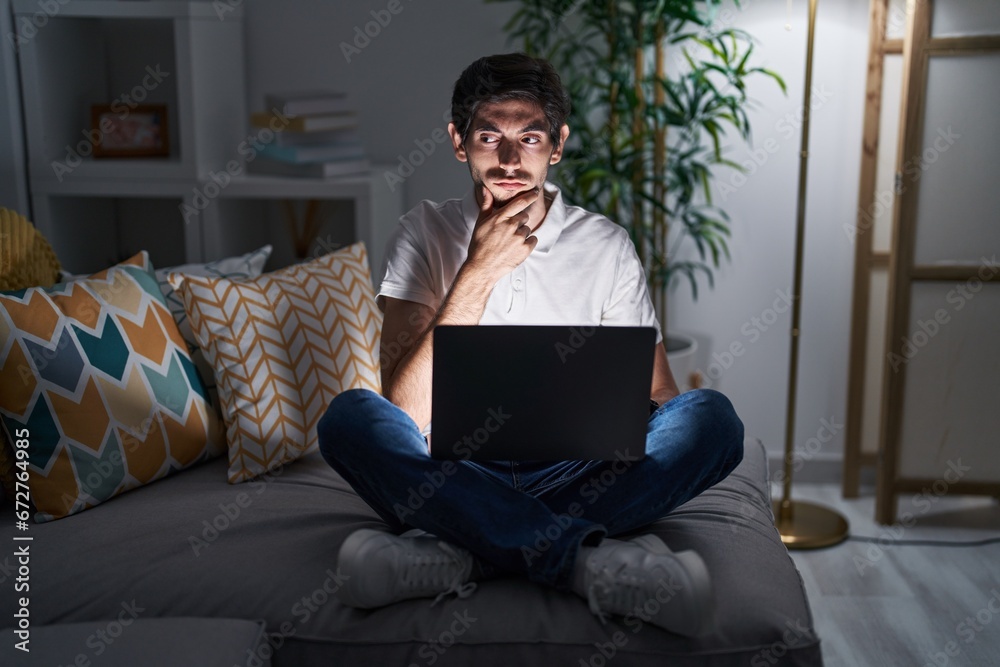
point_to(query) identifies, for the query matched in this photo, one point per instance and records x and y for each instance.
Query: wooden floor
(891, 604)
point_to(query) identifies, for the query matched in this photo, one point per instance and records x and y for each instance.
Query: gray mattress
(274, 560)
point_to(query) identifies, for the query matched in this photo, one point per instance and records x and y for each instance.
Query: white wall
(763, 209)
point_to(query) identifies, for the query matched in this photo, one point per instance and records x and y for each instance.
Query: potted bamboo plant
(655, 86)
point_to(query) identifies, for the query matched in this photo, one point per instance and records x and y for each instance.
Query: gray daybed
(193, 571)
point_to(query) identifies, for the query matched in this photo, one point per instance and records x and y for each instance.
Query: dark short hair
(510, 76)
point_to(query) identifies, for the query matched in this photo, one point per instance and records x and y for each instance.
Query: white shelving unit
(183, 55)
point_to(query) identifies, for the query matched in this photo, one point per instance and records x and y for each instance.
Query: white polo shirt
(583, 271)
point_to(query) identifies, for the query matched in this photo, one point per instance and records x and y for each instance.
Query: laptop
(541, 393)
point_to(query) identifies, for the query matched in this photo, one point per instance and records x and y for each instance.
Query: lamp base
(805, 525)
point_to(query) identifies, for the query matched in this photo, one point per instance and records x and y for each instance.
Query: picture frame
(130, 131)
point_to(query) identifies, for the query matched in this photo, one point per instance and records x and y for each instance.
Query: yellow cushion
(26, 258)
(282, 346)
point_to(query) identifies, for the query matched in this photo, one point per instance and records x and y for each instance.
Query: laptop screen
(541, 393)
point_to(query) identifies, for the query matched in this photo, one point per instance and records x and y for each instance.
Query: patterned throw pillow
(99, 375)
(26, 260)
(249, 265)
(245, 266)
(282, 346)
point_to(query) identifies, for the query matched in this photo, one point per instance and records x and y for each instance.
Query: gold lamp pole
(802, 525)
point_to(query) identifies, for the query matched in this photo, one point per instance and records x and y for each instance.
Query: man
(513, 252)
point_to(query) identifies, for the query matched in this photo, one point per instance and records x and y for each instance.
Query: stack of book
(315, 135)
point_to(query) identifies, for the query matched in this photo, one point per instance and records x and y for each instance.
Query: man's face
(508, 148)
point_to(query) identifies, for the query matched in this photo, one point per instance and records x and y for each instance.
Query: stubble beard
(499, 201)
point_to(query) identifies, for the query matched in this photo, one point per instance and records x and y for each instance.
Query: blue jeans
(528, 517)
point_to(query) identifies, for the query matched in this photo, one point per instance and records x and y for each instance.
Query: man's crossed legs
(547, 521)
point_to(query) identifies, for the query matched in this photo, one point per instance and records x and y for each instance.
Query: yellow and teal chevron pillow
(98, 374)
(282, 346)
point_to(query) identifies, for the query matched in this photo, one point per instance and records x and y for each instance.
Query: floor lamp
(802, 525)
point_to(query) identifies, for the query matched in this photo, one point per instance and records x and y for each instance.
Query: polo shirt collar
(548, 232)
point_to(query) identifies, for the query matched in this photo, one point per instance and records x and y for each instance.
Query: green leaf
(775, 76)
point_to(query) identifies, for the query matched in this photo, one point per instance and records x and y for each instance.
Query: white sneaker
(644, 579)
(381, 568)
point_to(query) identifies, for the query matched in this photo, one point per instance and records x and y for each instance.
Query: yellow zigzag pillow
(282, 346)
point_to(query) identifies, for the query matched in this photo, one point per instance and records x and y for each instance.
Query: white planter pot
(681, 352)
